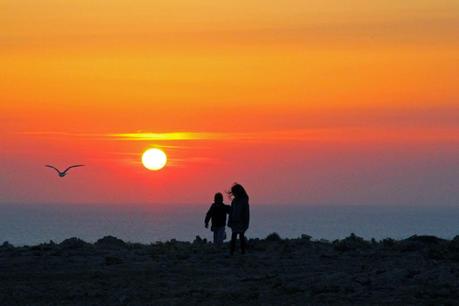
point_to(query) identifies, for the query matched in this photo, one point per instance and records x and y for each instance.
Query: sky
(303, 102)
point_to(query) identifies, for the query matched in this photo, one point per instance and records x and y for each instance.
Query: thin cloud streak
(63, 134)
(332, 134)
(170, 136)
(318, 134)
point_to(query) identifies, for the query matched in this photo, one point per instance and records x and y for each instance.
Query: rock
(6, 245)
(112, 260)
(353, 242)
(388, 242)
(438, 251)
(425, 239)
(110, 242)
(198, 240)
(273, 237)
(74, 243)
(454, 244)
(433, 246)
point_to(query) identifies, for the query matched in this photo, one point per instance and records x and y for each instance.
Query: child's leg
(219, 235)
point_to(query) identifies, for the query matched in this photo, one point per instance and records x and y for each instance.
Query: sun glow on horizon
(154, 159)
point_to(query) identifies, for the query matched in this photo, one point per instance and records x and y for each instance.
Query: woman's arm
(246, 216)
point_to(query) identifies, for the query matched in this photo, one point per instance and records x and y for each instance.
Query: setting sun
(154, 159)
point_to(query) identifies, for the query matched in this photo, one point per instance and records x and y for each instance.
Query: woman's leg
(243, 242)
(233, 242)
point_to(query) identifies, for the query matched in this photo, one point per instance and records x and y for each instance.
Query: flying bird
(63, 173)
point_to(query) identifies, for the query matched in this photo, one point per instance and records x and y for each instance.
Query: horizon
(133, 205)
(31, 224)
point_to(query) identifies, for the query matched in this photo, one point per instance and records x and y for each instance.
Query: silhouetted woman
(239, 216)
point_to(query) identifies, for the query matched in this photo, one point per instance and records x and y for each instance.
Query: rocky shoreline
(420, 270)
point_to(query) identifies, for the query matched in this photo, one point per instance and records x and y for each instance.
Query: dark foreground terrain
(421, 270)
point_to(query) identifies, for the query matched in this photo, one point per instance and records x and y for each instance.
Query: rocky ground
(421, 270)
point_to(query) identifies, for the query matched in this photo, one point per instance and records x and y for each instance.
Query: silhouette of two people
(238, 219)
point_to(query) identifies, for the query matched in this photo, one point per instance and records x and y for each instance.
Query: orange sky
(302, 101)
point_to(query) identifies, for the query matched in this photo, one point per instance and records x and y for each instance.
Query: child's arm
(208, 216)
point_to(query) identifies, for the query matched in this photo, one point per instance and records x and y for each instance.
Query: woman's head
(237, 191)
(218, 198)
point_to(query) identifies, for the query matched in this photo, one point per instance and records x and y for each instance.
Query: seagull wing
(74, 166)
(49, 166)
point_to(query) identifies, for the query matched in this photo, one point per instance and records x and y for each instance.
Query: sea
(30, 224)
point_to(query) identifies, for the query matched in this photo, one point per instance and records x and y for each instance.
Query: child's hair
(218, 198)
(237, 191)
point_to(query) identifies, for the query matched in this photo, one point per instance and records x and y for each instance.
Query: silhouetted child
(239, 216)
(217, 213)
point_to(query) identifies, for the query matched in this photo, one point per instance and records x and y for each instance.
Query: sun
(154, 159)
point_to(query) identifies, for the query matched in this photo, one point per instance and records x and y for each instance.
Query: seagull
(63, 173)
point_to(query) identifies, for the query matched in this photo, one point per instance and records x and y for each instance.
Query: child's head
(218, 198)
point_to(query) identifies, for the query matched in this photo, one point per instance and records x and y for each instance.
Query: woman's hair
(218, 198)
(237, 191)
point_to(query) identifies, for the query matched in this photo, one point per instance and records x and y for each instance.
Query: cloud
(170, 136)
(341, 134)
